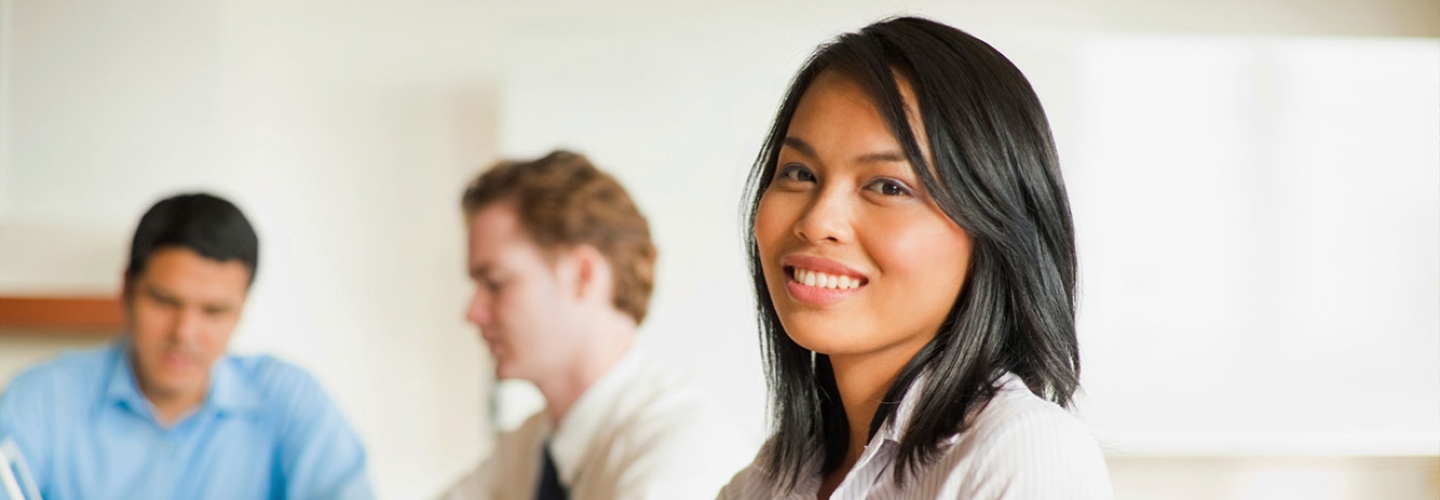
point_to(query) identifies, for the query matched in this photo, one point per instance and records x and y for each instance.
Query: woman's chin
(830, 342)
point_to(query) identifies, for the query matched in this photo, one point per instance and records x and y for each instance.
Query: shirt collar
(885, 444)
(122, 389)
(578, 430)
(229, 391)
(894, 428)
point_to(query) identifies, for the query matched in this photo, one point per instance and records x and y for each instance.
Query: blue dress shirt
(266, 430)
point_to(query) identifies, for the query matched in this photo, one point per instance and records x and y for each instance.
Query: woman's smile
(820, 281)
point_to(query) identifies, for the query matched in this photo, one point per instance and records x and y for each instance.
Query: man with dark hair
(563, 267)
(164, 412)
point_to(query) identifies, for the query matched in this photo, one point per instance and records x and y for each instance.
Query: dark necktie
(549, 488)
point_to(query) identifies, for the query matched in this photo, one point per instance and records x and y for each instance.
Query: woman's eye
(796, 173)
(889, 187)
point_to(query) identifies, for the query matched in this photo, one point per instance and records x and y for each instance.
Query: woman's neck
(863, 380)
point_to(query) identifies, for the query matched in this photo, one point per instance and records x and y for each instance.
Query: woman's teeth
(821, 280)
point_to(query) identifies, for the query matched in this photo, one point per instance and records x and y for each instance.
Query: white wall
(346, 130)
(1259, 225)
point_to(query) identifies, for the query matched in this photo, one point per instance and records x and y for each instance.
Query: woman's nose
(826, 218)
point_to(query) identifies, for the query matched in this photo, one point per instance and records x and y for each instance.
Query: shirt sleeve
(321, 456)
(1040, 455)
(742, 486)
(25, 409)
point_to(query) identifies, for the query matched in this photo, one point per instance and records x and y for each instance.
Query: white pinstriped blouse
(1020, 447)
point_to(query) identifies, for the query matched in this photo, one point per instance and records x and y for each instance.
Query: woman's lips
(820, 264)
(820, 281)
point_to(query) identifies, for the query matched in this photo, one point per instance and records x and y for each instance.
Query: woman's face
(859, 260)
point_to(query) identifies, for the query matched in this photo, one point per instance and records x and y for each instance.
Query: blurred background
(1256, 186)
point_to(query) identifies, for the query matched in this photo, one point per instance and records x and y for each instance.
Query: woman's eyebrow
(881, 157)
(876, 157)
(802, 146)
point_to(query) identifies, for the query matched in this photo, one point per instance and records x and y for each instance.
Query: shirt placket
(175, 463)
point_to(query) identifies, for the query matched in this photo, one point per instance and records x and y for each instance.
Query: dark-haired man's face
(182, 309)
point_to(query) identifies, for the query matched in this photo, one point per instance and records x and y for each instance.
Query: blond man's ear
(592, 274)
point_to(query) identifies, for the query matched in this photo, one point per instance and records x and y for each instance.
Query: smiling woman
(913, 256)
(845, 204)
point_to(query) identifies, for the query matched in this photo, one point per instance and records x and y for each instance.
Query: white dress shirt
(1019, 447)
(641, 432)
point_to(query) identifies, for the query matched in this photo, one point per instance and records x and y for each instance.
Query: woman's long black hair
(994, 171)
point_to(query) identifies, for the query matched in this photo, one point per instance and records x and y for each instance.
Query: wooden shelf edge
(62, 315)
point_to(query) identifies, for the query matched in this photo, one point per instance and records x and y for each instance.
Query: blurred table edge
(61, 315)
